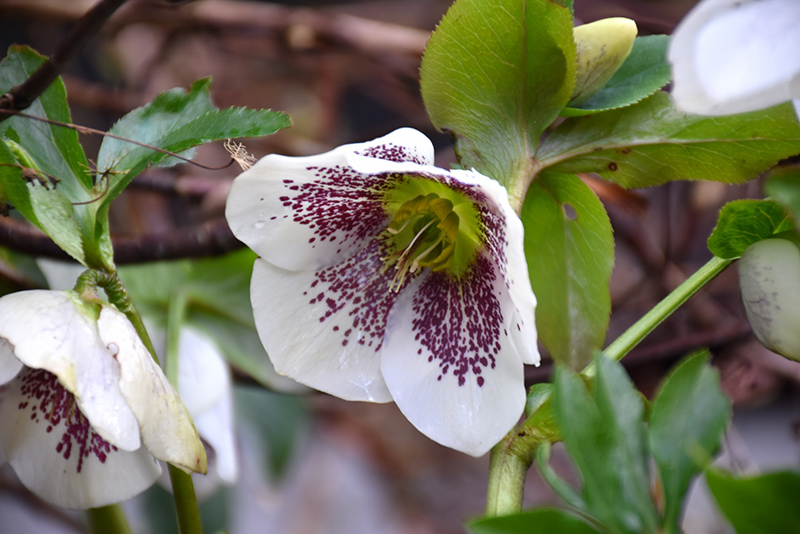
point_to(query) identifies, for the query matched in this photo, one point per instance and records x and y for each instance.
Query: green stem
(507, 472)
(176, 314)
(185, 502)
(636, 333)
(108, 520)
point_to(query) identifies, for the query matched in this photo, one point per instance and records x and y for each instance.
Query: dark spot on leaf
(612, 166)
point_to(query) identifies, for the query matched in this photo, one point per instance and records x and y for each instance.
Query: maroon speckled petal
(301, 213)
(325, 328)
(449, 362)
(57, 454)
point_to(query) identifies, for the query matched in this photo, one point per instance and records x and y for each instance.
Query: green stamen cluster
(432, 226)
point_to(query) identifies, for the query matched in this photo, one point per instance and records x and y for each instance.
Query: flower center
(432, 226)
(423, 234)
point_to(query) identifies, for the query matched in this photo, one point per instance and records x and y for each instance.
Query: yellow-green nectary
(769, 276)
(602, 48)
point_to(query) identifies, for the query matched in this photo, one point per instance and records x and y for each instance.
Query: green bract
(602, 47)
(769, 276)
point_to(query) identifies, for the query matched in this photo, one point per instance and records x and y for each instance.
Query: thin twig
(21, 96)
(211, 238)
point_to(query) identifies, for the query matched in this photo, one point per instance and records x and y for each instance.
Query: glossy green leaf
(605, 436)
(744, 222)
(496, 73)
(569, 247)
(687, 422)
(53, 150)
(539, 520)
(176, 120)
(644, 72)
(783, 185)
(651, 143)
(756, 505)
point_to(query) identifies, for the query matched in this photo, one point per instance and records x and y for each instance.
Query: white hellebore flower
(84, 409)
(734, 56)
(384, 278)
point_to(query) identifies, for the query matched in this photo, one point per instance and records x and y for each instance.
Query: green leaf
(744, 222)
(539, 520)
(496, 73)
(651, 143)
(56, 152)
(783, 185)
(755, 505)
(687, 421)
(176, 121)
(537, 396)
(43, 205)
(605, 437)
(644, 72)
(570, 251)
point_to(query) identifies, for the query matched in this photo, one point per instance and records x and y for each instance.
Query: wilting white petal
(166, 427)
(733, 56)
(449, 362)
(56, 454)
(47, 331)
(304, 213)
(325, 328)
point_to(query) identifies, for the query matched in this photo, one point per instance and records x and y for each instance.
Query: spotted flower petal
(734, 56)
(384, 278)
(86, 398)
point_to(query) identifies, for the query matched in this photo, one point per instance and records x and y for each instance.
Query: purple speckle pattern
(361, 285)
(50, 404)
(458, 323)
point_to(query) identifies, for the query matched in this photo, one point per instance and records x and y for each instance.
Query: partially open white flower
(734, 56)
(384, 278)
(84, 409)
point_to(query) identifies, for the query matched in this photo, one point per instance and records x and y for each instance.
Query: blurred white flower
(734, 56)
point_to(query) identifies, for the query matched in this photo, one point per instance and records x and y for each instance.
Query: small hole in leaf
(569, 211)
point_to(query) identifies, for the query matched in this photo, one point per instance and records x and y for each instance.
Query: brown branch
(21, 96)
(300, 27)
(211, 238)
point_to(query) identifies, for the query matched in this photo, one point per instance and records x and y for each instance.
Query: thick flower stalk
(734, 56)
(384, 278)
(84, 410)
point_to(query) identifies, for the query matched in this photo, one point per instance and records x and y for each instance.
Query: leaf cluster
(499, 75)
(614, 439)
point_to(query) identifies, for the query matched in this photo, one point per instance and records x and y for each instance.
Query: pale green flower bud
(769, 276)
(602, 48)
